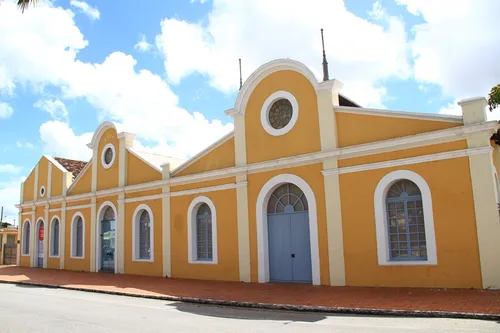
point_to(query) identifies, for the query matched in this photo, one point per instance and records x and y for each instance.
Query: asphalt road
(33, 309)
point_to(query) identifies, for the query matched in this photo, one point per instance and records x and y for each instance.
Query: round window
(108, 156)
(280, 113)
(42, 191)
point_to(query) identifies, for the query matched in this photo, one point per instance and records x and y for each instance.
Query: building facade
(309, 187)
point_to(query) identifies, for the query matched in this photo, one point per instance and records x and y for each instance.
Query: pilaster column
(120, 235)
(243, 228)
(20, 235)
(62, 240)
(33, 236)
(165, 222)
(46, 240)
(328, 97)
(93, 234)
(484, 189)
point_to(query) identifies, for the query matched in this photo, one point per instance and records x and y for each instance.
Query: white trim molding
(136, 233)
(100, 216)
(73, 236)
(51, 231)
(261, 216)
(103, 156)
(381, 218)
(26, 222)
(266, 107)
(192, 239)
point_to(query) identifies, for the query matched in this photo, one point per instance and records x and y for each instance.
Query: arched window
(26, 238)
(143, 234)
(78, 236)
(202, 231)
(405, 217)
(404, 220)
(54, 237)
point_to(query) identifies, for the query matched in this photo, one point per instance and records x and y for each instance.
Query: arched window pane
(405, 217)
(26, 238)
(287, 198)
(109, 214)
(204, 233)
(144, 235)
(55, 237)
(79, 237)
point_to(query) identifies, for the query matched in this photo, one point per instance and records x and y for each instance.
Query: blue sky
(66, 66)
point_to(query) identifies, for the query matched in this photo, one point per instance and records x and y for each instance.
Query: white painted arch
(191, 213)
(38, 223)
(135, 233)
(265, 70)
(381, 218)
(51, 234)
(100, 215)
(261, 217)
(73, 236)
(26, 224)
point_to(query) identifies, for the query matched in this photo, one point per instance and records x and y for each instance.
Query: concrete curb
(282, 307)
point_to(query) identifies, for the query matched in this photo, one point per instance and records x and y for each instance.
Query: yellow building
(309, 188)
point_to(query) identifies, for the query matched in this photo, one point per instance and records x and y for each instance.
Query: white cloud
(10, 168)
(200, 1)
(458, 46)
(142, 101)
(58, 139)
(6, 111)
(54, 107)
(377, 12)
(24, 144)
(360, 53)
(143, 45)
(92, 12)
(9, 197)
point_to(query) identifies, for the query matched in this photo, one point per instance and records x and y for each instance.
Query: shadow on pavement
(245, 313)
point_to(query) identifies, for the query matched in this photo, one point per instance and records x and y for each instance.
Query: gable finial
(241, 81)
(325, 63)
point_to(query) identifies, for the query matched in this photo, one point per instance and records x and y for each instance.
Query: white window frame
(73, 236)
(136, 233)
(23, 245)
(266, 107)
(51, 233)
(43, 191)
(191, 214)
(381, 223)
(103, 154)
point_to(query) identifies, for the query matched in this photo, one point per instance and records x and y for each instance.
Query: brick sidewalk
(407, 301)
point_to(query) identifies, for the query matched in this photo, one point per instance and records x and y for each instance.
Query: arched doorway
(288, 235)
(107, 246)
(262, 217)
(40, 235)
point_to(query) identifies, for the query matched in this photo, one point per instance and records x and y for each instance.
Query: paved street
(33, 309)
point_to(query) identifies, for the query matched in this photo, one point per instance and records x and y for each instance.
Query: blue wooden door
(280, 249)
(301, 248)
(289, 248)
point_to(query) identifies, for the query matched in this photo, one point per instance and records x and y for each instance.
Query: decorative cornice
(399, 114)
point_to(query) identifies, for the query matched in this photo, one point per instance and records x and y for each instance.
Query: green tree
(494, 97)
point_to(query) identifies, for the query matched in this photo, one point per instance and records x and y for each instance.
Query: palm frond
(24, 4)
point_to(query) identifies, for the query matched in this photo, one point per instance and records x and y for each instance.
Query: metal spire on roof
(241, 81)
(325, 63)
